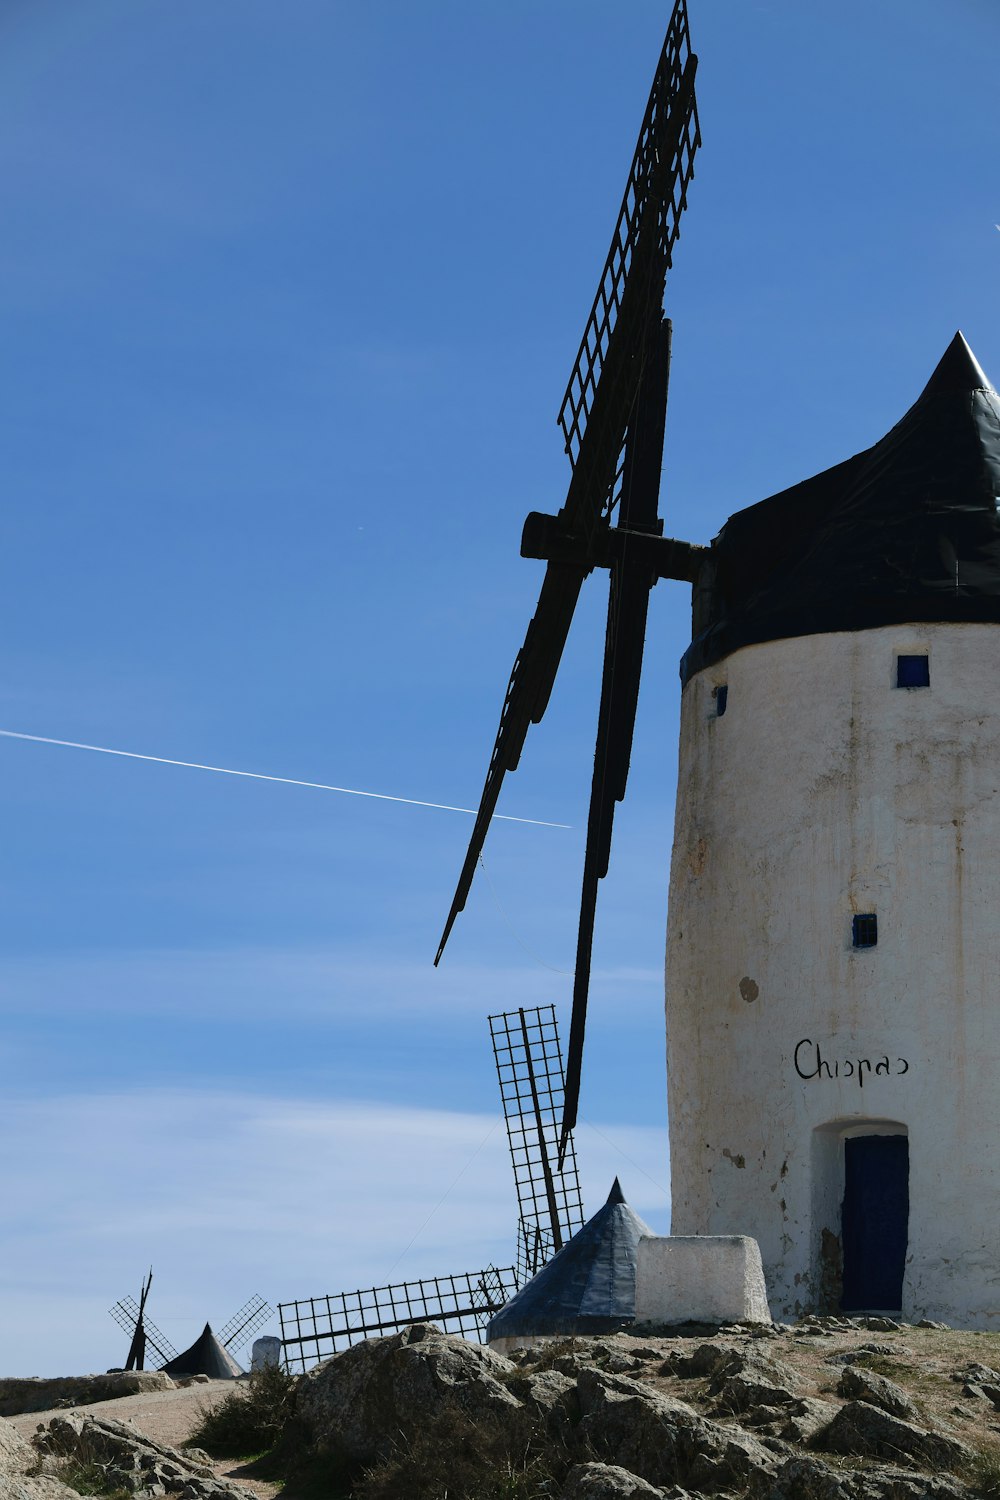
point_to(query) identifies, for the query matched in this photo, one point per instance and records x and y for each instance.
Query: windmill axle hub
(551, 540)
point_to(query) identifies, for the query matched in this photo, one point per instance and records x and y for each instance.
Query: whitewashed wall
(823, 791)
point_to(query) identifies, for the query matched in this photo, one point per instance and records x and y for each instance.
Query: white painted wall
(823, 791)
(699, 1278)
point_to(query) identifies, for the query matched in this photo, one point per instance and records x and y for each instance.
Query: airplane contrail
(320, 786)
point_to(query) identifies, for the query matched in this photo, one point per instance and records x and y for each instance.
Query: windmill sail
(137, 1349)
(612, 419)
(131, 1317)
(604, 383)
(314, 1328)
(244, 1323)
(628, 607)
(530, 1071)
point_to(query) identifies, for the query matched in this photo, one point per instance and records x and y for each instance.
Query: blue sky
(290, 294)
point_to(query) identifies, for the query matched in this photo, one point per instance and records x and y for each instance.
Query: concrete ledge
(700, 1278)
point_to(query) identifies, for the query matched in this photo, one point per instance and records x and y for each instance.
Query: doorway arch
(860, 1214)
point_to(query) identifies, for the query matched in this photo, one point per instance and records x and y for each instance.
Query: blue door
(874, 1221)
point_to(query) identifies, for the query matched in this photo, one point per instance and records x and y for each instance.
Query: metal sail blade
(602, 386)
(526, 699)
(137, 1348)
(530, 1072)
(627, 611)
(600, 406)
(628, 608)
(127, 1314)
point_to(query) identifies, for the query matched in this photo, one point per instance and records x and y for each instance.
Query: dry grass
(87, 1472)
(454, 1458)
(984, 1474)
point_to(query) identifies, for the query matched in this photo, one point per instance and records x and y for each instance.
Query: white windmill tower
(834, 921)
(833, 1031)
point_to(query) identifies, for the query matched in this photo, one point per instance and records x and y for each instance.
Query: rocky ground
(830, 1409)
(157, 1413)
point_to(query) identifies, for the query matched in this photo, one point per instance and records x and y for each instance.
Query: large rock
(360, 1403)
(15, 1452)
(801, 1479)
(886, 1483)
(131, 1461)
(859, 1428)
(976, 1374)
(808, 1416)
(860, 1384)
(17, 1460)
(703, 1363)
(20, 1394)
(664, 1440)
(805, 1478)
(610, 1482)
(33, 1487)
(549, 1396)
(750, 1379)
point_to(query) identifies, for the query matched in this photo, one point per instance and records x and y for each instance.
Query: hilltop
(827, 1409)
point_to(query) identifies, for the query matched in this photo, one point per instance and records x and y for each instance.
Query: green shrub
(92, 1479)
(250, 1419)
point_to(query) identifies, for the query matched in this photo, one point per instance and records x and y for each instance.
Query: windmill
(612, 419)
(529, 1067)
(131, 1316)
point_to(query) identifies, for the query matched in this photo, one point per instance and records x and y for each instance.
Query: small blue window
(721, 699)
(865, 930)
(913, 671)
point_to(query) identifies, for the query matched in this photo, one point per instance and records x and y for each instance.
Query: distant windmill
(131, 1316)
(529, 1067)
(612, 418)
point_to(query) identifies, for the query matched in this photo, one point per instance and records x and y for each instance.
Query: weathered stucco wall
(824, 791)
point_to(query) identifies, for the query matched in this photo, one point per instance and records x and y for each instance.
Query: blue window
(721, 700)
(865, 930)
(913, 671)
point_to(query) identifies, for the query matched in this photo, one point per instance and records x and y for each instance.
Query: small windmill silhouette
(131, 1316)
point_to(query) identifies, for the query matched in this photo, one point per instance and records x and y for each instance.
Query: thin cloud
(320, 983)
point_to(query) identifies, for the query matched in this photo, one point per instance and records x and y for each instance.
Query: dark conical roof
(206, 1356)
(907, 531)
(958, 371)
(589, 1287)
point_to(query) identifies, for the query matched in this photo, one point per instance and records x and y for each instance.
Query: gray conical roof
(206, 1356)
(589, 1287)
(905, 532)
